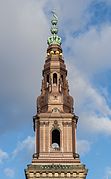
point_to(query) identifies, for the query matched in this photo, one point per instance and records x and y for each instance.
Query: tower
(55, 122)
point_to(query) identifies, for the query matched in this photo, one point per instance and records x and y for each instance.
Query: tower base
(56, 170)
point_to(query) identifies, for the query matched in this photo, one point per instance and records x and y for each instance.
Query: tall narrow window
(47, 78)
(56, 139)
(55, 78)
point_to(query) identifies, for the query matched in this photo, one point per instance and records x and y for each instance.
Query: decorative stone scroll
(55, 125)
(44, 123)
(67, 124)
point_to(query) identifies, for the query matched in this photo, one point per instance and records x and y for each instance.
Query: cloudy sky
(85, 28)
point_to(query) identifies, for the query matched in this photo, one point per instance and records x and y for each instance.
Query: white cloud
(95, 124)
(27, 146)
(3, 155)
(92, 107)
(90, 54)
(91, 50)
(87, 95)
(9, 172)
(23, 36)
(107, 173)
(83, 147)
(24, 27)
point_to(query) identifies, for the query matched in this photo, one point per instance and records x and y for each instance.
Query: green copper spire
(54, 38)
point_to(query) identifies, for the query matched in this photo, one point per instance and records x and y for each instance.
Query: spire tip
(54, 39)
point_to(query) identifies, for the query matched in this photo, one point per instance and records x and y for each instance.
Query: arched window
(55, 78)
(56, 139)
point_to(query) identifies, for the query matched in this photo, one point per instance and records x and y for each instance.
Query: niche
(54, 78)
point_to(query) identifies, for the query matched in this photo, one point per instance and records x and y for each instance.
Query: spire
(54, 38)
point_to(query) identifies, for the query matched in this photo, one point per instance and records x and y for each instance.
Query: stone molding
(69, 124)
(56, 167)
(44, 123)
(56, 171)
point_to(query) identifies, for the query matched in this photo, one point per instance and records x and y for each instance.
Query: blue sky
(85, 27)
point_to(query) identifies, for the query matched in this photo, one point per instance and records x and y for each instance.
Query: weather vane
(54, 15)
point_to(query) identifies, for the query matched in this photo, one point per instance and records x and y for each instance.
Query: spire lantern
(54, 38)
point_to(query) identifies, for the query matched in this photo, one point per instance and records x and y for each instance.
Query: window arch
(54, 78)
(56, 139)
